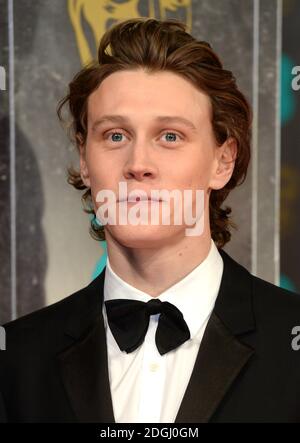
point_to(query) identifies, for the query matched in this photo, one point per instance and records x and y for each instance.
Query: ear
(225, 157)
(84, 173)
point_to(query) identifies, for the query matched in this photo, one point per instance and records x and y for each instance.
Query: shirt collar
(194, 295)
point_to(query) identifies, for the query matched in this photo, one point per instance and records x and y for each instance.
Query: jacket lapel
(221, 355)
(220, 359)
(84, 366)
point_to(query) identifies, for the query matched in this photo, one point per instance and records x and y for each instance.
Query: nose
(139, 165)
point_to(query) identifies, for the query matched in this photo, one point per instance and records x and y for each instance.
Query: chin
(143, 236)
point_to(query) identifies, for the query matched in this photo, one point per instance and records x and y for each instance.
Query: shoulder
(51, 320)
(264, 292)
(277, 306)
(273, 308)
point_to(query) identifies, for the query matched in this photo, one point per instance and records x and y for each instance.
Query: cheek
(97, 167)
(97, 174)
(194, 172)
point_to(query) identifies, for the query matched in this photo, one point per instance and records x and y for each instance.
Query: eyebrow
(160, 118)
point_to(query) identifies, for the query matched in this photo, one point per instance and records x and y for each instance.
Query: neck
(153, 270)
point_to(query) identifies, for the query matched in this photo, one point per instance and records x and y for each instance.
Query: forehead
(138, 92)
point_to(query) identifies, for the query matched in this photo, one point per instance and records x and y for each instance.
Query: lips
(138, 198)
(142, 199)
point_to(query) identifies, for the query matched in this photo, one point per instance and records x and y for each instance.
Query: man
(173, 330)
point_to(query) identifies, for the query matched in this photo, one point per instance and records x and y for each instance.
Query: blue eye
(118, 134)
(172, 134)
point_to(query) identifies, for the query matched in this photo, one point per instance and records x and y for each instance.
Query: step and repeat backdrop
(46, 252)
(290, 147)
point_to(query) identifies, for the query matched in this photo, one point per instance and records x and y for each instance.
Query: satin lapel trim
(85, 376)
(220, 359)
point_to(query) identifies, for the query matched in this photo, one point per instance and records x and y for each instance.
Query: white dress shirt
(147, 387)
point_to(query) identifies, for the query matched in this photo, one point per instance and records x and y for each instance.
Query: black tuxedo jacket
(54, 368)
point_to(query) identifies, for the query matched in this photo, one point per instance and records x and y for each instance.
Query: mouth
(138, 200)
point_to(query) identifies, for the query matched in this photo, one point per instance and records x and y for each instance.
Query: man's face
(149, 153)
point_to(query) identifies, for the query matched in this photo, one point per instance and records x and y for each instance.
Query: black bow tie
(129, 320)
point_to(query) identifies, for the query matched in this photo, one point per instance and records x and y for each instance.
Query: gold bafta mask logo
(97, 15)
